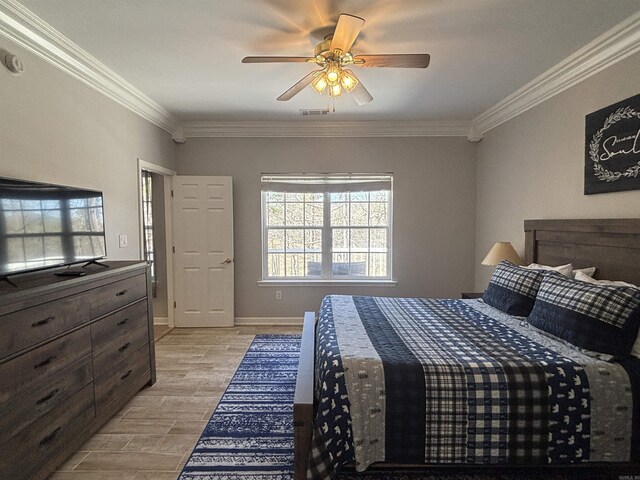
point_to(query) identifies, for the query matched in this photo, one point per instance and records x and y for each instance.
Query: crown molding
(304, 128)
(614, 45)
(23, 27)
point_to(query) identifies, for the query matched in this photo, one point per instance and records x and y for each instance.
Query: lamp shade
(502, 251)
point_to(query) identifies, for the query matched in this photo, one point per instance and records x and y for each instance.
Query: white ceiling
(186, 54)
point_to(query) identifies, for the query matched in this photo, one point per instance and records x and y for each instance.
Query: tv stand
(95, 262)
(73, 352)
(5, 278)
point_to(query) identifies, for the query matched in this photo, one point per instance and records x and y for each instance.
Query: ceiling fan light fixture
(319, 84)
(333, 74)
(348, 80)
(335, 90)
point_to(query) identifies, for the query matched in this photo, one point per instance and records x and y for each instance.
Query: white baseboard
(161, 320)
(274, 321)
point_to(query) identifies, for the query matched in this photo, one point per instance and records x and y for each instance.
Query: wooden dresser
(73, 351)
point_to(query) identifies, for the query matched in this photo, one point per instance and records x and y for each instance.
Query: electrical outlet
(122, 241)
(278, 294)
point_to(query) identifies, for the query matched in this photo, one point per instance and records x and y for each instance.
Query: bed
(479, 388)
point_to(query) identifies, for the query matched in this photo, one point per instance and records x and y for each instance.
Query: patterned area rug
(250, 435)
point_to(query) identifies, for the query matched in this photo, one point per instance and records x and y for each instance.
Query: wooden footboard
(303, 399)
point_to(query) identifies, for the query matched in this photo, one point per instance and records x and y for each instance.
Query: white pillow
(587, 271)
(614, 283)
(563, 269)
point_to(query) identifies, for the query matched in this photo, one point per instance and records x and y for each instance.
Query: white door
(203, 258)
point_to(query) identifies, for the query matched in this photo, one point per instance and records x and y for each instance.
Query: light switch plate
(122, 241)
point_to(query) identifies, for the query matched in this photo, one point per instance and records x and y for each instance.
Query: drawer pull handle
(124, 347)
(44, 362)
(122, 292)
(48, 397)
(49, 437)
(126, 375)
(122, 322)
(43, 322)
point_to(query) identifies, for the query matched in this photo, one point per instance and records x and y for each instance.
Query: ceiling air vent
(309, 112)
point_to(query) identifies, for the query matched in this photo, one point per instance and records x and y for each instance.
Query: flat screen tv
(43, 225)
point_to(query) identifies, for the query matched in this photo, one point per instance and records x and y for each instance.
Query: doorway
(155, 186)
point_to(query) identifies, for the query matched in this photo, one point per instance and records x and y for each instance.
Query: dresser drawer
(24, 453)
(112, 296)
(104, 331)
(25, 409)
(24, 328)
(120, 348)
(122, 377)
(38, 365)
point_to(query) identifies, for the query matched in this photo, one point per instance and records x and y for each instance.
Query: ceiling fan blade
(298, 87)
(415, 60)
(360, 94)
(347, 30)
(275, 59)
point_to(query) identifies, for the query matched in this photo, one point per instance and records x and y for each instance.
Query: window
(326, 227)
(147, 220)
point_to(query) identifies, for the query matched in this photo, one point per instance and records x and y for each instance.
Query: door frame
(167, 181)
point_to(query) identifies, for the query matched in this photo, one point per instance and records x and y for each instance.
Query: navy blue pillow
(600, 318)
(513, 289)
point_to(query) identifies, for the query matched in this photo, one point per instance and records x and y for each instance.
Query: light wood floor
(160, 331)
(151, 437)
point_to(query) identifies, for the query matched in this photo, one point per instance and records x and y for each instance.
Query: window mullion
(286, 231)
(369, 255)
(326, 236)
(265, 235)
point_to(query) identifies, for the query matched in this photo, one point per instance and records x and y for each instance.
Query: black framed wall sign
(612, 148)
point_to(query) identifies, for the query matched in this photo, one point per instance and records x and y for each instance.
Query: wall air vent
(314, 112)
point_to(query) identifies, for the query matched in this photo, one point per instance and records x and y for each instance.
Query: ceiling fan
(333, 54)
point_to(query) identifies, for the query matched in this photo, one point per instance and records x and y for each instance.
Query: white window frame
(327, 277)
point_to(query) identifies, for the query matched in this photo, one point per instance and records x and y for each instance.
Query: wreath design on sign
(599, 171)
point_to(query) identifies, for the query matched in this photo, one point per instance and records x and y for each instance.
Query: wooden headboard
(611, 245)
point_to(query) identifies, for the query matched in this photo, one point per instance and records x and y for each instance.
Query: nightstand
(472, 294)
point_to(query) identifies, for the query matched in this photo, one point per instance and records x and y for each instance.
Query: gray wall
(533, 166)
(53, 128)
(434, 209)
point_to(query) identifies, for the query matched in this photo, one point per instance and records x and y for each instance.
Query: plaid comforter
(407, 380)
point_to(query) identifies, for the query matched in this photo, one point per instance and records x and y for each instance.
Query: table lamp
(502, 251)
